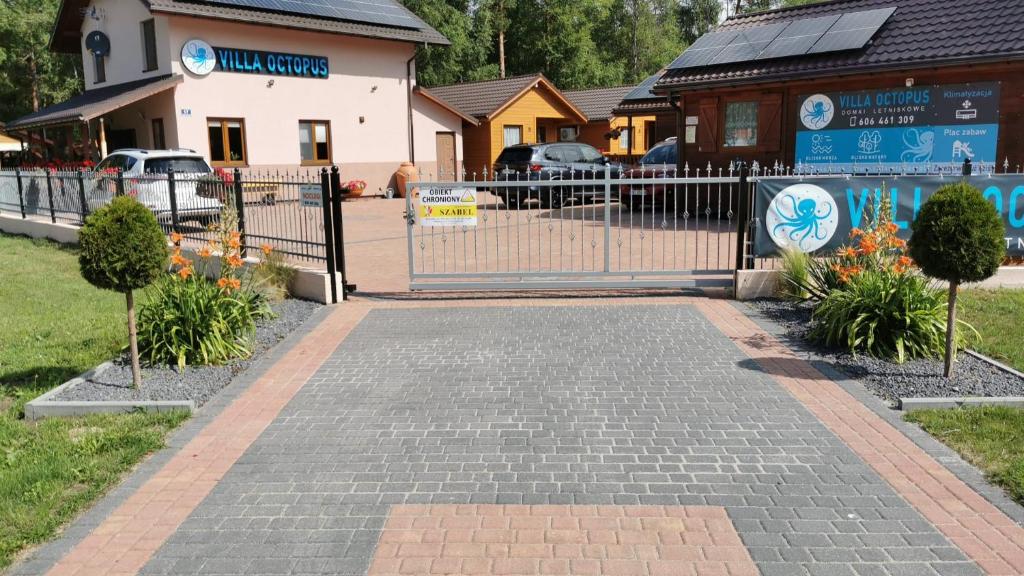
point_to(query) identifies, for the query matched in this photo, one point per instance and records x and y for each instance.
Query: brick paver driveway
(609, 406)
(611, 437)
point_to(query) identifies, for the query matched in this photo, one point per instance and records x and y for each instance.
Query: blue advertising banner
(816, 214)
(898, 128)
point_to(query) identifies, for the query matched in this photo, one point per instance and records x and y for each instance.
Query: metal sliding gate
(600, 229)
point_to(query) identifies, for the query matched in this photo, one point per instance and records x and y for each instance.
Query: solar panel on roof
(852, 31)
(380, 12)
(798, 37)
(703, 50)
(748, 44)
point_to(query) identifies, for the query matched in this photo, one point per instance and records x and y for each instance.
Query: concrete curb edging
(996, 363)
(908, 404)
(46, 407)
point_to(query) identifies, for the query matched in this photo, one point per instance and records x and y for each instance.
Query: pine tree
(31, 76)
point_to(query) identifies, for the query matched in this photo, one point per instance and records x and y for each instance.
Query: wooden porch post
(103, 138)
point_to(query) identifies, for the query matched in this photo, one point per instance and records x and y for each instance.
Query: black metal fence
(297, 214)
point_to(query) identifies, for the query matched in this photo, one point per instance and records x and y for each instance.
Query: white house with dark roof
(254, 84)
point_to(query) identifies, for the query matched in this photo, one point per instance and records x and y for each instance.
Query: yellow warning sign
(447, 207)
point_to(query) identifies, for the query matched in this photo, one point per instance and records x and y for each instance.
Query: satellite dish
(98, 43)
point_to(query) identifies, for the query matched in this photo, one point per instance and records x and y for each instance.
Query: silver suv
(145, 175)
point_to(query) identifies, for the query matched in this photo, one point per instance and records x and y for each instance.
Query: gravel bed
(196, 383)
(891, 381)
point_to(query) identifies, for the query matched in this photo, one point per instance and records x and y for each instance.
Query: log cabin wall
(778, 103)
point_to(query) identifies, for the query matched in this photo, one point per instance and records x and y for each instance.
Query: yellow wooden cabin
(622, 137)
(516, 110)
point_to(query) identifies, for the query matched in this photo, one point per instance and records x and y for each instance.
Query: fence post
(608, 215)
(120, 183)
(743, 226)
(21, 193)
(49, 194)
(174, 200)
(325, 204)
(967, 169)
(240, 209)
(339, 231)
(83, 203)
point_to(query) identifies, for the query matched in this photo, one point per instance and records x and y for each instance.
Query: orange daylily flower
(267, 249)
(234, 243)
(234, 261)
(892, 228)
(176, 238)
(184, 273)
(848, 252)
(179, 260)
(204, 253)
(856, 232)
(868, 245)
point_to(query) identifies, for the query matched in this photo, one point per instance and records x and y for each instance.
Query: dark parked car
(556, 161)
(659, 162)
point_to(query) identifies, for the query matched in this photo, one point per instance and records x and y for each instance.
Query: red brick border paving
(519, 539)
(981, 530)
(125, 540)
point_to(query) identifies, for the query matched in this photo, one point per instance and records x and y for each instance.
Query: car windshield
(665, 154)
(515, 155)
(185, 164)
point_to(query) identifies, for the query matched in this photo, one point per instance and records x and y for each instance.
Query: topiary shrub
(123, 249)
(957, 237)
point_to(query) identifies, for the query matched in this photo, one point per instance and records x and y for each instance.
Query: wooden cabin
(640, 109)
(622, 137)
(516, 110)
(853, 84)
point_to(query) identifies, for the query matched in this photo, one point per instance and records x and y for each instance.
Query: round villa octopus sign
(198, 57)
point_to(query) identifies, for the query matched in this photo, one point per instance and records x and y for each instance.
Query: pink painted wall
(121, 21)
(364, 99)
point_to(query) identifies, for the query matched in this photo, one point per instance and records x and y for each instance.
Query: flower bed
(887, 379)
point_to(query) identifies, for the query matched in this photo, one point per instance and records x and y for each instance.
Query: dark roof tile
(919, 33)
(482, 98)
(598, 103)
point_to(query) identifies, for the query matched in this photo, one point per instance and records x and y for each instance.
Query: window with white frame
(513, 135)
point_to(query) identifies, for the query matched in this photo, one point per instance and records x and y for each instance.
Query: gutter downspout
(680, 131)
(408, 81)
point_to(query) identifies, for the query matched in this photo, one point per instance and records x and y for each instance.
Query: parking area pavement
(656, 436)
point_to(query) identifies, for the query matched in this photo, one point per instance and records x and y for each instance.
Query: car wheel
(512, 201)
(552, 200)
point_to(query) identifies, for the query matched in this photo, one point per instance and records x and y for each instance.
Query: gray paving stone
(566, 405)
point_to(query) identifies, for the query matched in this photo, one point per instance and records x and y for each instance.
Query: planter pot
(355, 192)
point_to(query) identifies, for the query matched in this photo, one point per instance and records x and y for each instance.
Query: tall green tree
(31, 76)
(467, 56)
(697, 17)
(642, 35)
(557, 38)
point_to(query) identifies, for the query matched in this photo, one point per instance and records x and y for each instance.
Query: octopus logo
(803, 217)
(198, 57)
(817, 111)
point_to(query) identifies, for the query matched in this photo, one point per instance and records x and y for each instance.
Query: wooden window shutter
(707, 125)
(769, 123)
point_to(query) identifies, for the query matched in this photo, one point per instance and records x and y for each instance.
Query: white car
(145, 175)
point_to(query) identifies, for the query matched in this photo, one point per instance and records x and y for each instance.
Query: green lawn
(991, 438)
(998, 315)
(53, 326)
